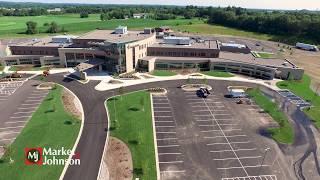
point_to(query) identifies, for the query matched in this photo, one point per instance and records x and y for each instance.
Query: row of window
(179, 54)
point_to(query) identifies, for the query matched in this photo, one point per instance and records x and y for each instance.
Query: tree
(31, 27)
(53, 28)
(84, 15)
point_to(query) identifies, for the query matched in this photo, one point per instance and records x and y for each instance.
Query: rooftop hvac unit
(121, 30)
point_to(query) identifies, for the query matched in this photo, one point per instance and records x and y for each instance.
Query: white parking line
(248, 157)
(172, 171)
(36, 97)
(212, 137)
(212, 130)
(33, 100)
(174, 145)
(250, 149)
(202, 115)
(9, 139)
(13, 122)
(168, 154)
(242, 167)
(18, 117)
(12, 132)
(163, 121)
(244, 142)
(31, 104)
(165, 126)
(170, 162)
(163, 132)
(163, 111)
(161, 107)
(160, 103)
(203, 120)
(12, 127)
(210, 125)
(164, 139)
(25, 112)
(29, 108)
(162, 116)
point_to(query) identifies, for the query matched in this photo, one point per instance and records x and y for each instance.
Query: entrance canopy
(89, 64)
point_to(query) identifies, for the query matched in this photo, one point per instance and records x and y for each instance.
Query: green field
(50, 126)
(284, 134)
(130, 117)
(11, 26)
(203, 28)
(14, 27)
(302, 88)
(217, 74)
(163, 73)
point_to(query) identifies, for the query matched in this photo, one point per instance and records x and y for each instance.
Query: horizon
(312, 5)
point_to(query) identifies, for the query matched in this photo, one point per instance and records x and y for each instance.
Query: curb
(155, 139)
(78, 138)
(107, 139)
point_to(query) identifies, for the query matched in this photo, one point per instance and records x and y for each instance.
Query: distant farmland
(12, 26)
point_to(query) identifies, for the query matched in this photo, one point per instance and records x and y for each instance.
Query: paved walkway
(104, 85)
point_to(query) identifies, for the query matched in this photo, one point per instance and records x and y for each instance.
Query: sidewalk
(104, 85)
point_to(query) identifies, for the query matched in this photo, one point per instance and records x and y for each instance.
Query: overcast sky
(261, 4)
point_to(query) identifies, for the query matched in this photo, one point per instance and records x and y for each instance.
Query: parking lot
(16, 110)
(294, 98)
(200, 138)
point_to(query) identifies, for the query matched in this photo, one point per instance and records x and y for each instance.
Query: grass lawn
(284, 134)
(11, 26)
(203, 28)
(217, 73)
(44, 129)
(134, 127)
(265, 55)
(302, 88)
(163, 73)
(1, 68)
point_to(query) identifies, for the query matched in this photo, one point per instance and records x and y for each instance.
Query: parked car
(203, 92)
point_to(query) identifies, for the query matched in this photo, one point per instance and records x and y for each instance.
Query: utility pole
(264, 156)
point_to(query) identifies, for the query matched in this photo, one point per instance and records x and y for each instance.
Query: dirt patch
(310, 61)
(70, 104)
(118, 160)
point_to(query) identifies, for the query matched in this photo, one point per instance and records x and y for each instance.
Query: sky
(257, 4)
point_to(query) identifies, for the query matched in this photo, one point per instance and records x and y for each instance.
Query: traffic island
(195, 87)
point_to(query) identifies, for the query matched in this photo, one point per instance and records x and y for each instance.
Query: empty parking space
(171, 158)
(231, 149)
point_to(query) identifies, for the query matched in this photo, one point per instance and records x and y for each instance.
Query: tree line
(299, 24)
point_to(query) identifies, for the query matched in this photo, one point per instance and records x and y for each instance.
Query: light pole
(264, 156)
(114, 106)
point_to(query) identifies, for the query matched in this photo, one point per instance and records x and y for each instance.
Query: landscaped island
(131, 122)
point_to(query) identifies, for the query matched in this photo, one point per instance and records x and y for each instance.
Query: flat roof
(42, 42)
(202, 45)
(228, 57)
(249, 58)
(110, 36)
